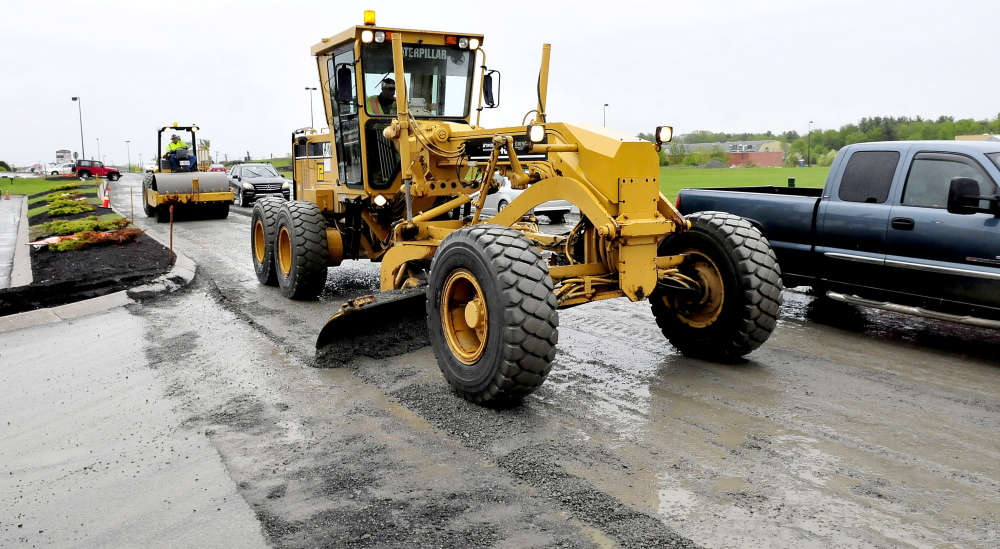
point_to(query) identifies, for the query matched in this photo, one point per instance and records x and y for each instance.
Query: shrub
(90, 238)
(92, 223)
(67, 207)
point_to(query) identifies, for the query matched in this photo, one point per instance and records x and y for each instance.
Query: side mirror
(491, 96)
(344, 84)
(958, 195)
(964, 197)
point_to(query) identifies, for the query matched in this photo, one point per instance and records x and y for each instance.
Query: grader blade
(385, 324)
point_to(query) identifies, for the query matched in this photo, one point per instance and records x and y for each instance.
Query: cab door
(947, 258)
(851, 222)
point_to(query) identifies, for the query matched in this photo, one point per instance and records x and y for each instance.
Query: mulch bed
(70, 276)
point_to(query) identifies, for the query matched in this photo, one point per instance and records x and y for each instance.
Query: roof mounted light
(463, 42)
(379, 36)
(536, 133)
(370, 17)
(473, 43)
(664, 134)
(367, 36)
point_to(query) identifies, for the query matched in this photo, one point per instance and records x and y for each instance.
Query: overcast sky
(239, 69)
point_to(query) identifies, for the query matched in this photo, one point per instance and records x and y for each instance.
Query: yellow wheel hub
(284, 251)
(464, 318)
(702, 313)
(259, 244)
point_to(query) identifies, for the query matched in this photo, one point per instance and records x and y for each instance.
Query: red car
(216, 168)
(93, 168)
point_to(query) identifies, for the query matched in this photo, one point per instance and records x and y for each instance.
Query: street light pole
(311, 123)
(79, 108)
(128, 151)
(809, 137)
(605, 123)
(98, 147)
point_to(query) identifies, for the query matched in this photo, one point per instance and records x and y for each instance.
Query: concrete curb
(181, 274)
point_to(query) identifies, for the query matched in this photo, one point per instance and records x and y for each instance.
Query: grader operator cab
(392, 182)
(183, 187)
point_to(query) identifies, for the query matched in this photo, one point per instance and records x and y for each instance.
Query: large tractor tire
(300, 250)
(491, 314)
(262, 229)
(738, 306)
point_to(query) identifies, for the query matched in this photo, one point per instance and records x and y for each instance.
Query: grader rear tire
(491, 314)
(738, 271)
(262, 229)
(300, 250)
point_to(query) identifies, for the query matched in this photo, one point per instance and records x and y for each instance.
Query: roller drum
(182, 183)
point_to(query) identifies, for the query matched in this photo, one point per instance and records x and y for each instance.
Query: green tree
(5, 167)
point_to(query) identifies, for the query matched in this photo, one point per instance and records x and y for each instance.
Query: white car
(62, 169)
(149, 167)
(555, 210)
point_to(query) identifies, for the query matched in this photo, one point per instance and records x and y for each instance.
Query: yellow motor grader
(205, 193)
(402, 175)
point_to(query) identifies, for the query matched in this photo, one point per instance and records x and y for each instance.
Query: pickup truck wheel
(300, 250)
(114, 176)
(491, 314)
(738, 274)
(83, 174)
(262, 223)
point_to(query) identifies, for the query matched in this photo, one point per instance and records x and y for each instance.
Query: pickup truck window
(931, 174)
(868, 176)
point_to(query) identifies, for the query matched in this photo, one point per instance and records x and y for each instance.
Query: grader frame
(493, 287)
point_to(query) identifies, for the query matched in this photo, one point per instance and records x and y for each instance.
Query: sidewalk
(15, 261)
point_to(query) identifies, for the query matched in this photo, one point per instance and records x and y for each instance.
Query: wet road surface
(849, 428)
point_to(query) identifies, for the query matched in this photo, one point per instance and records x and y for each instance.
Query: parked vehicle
(149, 167)
(216, 168)
(555, 210)
(65, 168)
(252, 181)
(95, 168)
(909, 226)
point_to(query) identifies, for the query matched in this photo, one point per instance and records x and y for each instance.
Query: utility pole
(809, 143)
(312, 124)
(128, 151)
(79, 108)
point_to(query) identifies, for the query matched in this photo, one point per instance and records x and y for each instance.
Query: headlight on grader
(463, 42)
(379, 200)
(379, 36)
(664, 134)
(473, 43)
(367, 36)
(536, 133)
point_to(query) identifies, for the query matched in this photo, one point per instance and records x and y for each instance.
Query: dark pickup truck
(908, 226)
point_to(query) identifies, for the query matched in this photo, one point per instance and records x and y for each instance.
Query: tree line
(822, 145)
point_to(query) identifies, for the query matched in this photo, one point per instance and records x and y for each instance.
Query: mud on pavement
(326, 458)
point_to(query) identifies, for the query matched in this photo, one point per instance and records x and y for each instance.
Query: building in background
(983, 137)
(766, 153)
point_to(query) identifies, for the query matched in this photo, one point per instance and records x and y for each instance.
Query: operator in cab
(172, 148)
(384, 102)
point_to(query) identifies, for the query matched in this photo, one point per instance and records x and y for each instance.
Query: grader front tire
(262, 229)
(300, 250)
(491, 314)
(741, 289)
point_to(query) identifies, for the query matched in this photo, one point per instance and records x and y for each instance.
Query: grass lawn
(675, 179)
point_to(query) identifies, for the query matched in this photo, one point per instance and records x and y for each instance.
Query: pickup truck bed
(881, 230)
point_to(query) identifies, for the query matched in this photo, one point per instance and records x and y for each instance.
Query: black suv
(252, 181)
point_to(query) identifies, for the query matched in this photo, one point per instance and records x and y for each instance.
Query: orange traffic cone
(7, 196)
(107, 197)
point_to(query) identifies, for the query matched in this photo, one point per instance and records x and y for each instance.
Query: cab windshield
(438, 79)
